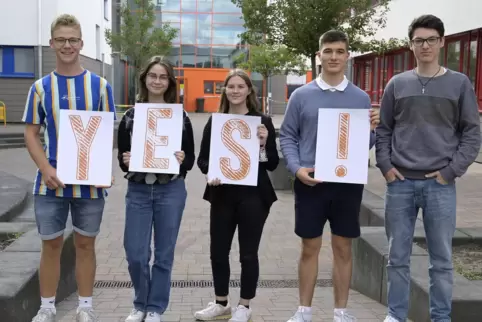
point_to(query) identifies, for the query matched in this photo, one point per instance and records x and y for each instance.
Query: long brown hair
(251, 101)
(170, 94)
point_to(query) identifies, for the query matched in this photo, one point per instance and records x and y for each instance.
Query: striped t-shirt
(46, 98)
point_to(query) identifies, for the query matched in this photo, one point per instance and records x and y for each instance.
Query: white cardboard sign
(342, 145)
(85, 147)
(156, 136)
(234, 155)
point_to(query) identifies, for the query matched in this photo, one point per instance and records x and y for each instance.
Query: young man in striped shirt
(68, 87)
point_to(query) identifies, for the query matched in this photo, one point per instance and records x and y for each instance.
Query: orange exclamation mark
(342, 149)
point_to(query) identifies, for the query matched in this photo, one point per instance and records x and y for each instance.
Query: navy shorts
(337, 203)
(51, 215)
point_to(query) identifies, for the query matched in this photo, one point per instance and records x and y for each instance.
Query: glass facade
(208, 32)
(207, 44)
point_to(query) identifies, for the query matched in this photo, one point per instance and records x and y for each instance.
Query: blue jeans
(158, 206)
(438, 202)
(51, 215)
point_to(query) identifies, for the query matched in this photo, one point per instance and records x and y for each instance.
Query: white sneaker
(214, 312)
(301, 316)
(45, 315)
(241, 314)
(136, 316)
(390, 319)
(344, 317)
(153, 317)
(86, 315)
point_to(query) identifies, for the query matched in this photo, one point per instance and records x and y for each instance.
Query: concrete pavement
(277, 298)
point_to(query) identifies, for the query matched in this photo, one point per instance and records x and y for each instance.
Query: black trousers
(247, 212)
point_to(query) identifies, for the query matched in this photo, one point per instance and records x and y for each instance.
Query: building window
(17, 62)
(473, 61)
(227, 34)
(213, 87)
(204, 29)
(225, 6)
(167, 5)
(204, 5)
(167, 17)
(106, 9)
(453, 56)
(188, 5)
(229, 19)
(188, 29)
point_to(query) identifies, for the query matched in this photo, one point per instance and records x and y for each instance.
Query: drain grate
(209, 284)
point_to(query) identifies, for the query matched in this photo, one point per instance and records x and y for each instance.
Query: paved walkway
(279, 254)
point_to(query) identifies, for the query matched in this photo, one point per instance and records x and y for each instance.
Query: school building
(204, 51)
(462, 51)
(25, 54)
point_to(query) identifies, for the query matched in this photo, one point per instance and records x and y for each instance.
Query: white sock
(85, 302)
(47, 303)
(304, 309)
(340, 311)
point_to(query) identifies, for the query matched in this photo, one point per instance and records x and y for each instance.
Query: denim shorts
(51, 215)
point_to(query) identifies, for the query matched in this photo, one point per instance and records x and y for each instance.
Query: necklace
(420, 80)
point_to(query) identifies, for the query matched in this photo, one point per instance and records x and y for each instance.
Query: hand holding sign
(262, 134)
(49, 177)
(180, 156)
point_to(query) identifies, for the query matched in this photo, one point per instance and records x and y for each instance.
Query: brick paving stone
(278, 255)
(270, 305)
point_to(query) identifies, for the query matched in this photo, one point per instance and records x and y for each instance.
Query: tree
(269, 60)
(138, 38)
(298, 24)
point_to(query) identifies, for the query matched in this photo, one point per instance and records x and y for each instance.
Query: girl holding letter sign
(153, 201)
(246, 207)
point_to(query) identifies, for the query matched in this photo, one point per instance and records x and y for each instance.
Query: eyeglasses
(74, 42)
(432, 41)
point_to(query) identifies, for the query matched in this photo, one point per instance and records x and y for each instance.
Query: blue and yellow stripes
(46, 98)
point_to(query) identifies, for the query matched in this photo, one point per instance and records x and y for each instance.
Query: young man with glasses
(429, 134)
(68, 87)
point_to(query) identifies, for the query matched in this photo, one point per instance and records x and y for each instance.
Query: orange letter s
(153, 140)
(227, 138)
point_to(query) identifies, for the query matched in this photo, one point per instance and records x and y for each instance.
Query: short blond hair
(65, 20)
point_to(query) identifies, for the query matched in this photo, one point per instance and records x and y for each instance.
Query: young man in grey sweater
(318, 202)
(429, 134)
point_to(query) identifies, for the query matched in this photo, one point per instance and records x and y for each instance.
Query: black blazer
(124, 137)
(266, 190)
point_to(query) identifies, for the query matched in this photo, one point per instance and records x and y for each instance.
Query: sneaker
(344, 317)
(136, 316)
(45, 315)
(390, 319)
(86, 314)
(153, 317)
(241, 314)
(300, 316)
(214, 312)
